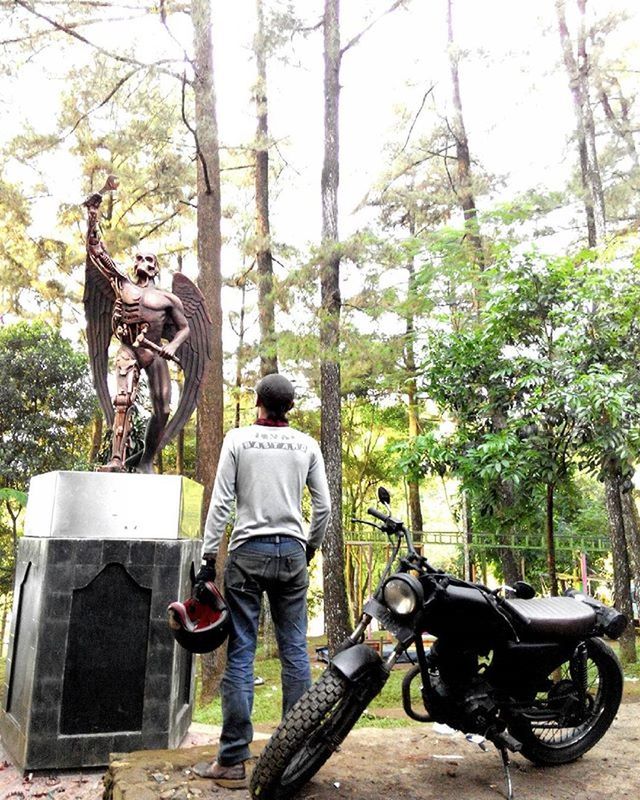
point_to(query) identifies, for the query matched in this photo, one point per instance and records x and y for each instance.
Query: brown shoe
(233, 777)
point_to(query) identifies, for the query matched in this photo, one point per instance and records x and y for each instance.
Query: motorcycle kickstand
(504, 753)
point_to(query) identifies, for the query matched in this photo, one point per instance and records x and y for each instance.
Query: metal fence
(591, 543)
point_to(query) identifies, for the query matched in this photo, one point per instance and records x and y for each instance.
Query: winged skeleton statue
(141, 316)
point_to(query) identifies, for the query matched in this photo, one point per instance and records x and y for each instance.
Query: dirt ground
(418, 764)
(413, 763)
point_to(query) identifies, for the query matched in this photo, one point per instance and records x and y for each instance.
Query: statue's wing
(194, 354)
(98, 300)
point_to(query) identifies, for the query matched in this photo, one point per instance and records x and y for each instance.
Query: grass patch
(267, 702)
(374, 721)
(268, 697)
(631, 691)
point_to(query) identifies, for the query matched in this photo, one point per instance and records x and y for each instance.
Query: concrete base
(93, 667)
(164, 774)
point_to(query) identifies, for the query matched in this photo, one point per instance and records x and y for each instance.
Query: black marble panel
(116, 551)
(106, 655)
(88, 551)
(62, 551)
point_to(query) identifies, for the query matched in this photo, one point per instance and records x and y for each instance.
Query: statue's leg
(160, 395)
(127, 376)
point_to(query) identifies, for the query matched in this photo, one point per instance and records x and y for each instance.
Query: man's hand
(206, 573)
(310, 552)
(168, 351)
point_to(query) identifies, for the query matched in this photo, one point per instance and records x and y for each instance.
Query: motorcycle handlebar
(377, 514)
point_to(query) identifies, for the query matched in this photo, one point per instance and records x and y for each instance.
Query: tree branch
(194, 133)
(70, 26)
(415, 119)
(118, 85)
(135, 202)
(69, 31)
(163, 18)
(240, 166)
(159, 224)
(373, 22)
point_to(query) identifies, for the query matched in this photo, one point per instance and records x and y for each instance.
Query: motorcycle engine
(457, 694)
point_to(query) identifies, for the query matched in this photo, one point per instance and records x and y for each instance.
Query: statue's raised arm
(141, 315)
(97, 253)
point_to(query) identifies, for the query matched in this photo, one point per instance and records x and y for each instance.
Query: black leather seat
(551, 617)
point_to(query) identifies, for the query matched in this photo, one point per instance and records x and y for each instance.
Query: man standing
(265, 468)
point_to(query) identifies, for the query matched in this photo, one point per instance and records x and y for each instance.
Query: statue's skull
(146, 264)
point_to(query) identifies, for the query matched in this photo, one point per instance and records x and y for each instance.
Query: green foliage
(12, 503)
(26, 280)
(13, 495)
(544, 380)
(46, 400)
(370, 433)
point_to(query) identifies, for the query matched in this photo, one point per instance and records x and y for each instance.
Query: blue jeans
(276, 565)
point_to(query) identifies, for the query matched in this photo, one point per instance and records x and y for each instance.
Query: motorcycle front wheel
(570, 735)
(314, 728)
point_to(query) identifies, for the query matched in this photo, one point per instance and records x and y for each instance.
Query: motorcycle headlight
(403, 594)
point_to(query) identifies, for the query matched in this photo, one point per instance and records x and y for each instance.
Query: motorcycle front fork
(358, 636)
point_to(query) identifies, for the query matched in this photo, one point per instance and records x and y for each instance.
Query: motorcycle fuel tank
(464, 612)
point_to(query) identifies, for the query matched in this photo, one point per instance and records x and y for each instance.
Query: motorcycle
(530, 675)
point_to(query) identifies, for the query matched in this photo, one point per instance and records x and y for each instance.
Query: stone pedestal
(93, 667)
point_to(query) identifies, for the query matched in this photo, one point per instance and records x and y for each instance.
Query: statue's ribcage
(127, 320)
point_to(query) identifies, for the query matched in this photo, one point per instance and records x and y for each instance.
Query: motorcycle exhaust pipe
(414, 672)
(613, 622)
(609, 620)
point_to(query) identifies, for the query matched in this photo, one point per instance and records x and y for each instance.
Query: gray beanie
(276, 392)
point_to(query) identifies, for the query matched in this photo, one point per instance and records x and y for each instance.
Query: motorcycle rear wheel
(313, 729)
(558, 742)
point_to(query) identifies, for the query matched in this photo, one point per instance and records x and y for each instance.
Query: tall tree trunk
(97, 425)
(593, 165)
(466, 195)
(632, 531)
(466, 198)
(336, 608)
(240, 353)
(622, 127)
(578, 70)
(551, 544)
(415, 509)
(506, 493)
(621, 571)
(413, 484)
(268, 343)
(577, 67)
(210, 407)
(510, 565)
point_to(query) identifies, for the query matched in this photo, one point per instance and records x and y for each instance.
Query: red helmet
(200, 625)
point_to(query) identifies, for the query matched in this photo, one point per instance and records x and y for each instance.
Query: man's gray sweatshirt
(265, 469)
